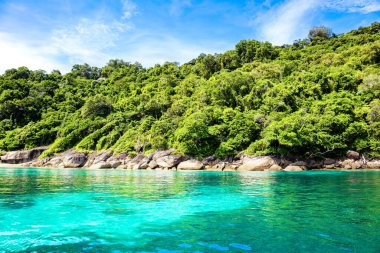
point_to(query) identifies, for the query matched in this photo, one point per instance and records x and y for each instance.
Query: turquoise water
(51, 210)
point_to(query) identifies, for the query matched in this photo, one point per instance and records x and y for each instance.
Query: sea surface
(72, 210)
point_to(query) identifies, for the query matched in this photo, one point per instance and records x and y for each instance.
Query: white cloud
(15, 53)
(88, 41)
(291, 20)
(129, 8)
(286, 22)
(177, 6)
(361, 6)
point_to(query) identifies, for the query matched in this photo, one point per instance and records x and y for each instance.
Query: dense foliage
(317, 96)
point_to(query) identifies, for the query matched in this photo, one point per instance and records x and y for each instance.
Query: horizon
(58, 35)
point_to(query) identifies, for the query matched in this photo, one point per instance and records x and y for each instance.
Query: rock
(313, 164)
(190, 165)
(115, 164)
(294, 168)
(373, 165)
(101, 165)
(275, 167)
(209, 160)
(159, 154)
(122, 167)
(15, 157)
(351, 164)
(353, 155)
(96, 157)
(329, 161)
(54, 162)
(138, 162)
(119, 157)
(152, 164)
(144, 163)
(231, 167)
(256, 163)
(169, 161)
(299, 163)
(102, 157)
(330, 166)
(74, 159)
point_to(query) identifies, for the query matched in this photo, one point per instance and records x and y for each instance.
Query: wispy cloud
(88, 40)
(285, 22)
(177, 6)
(361, 6)
(129, 9)
(290, 20)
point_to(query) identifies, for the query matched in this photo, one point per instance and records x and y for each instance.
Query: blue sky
(56, 34)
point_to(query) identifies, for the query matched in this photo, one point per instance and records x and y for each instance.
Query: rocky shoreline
(168, 160)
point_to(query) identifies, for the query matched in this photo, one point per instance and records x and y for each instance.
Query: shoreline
(22, 166)
(166, 160)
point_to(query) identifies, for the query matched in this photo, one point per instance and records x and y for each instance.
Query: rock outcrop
(169, 161)
(23, 156)
(74, 159)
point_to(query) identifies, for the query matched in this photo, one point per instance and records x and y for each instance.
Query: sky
(56, 34)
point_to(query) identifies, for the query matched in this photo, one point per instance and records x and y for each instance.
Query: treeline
(316, 96)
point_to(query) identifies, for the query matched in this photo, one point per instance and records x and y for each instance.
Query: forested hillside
(318, 96)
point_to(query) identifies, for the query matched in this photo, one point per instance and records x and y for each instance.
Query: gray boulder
(353, 155)
(74, 160)
(97, 157)
(190, 165)
(152, 164)
(294, 168)
(169, 161)
(256, 163)
(159, 154)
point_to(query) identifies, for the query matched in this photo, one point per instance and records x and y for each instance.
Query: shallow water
(51, 210)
